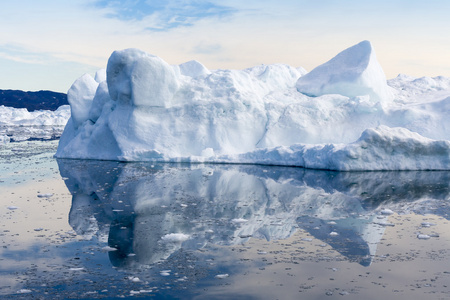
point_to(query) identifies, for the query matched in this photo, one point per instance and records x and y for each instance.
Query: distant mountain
(32, 100)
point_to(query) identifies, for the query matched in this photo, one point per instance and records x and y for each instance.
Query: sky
(48, 44)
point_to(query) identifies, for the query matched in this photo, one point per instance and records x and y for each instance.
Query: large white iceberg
(148, 110)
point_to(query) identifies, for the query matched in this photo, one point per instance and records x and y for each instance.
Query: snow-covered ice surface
(343, 115)
(18, 124)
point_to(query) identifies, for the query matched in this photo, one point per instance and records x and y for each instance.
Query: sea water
(102, 229)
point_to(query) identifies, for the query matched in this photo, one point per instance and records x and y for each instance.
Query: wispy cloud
(163, 15)
(204, 48)
(21, 55)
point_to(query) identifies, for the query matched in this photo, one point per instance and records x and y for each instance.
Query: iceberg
(19, 124)
(343, 115)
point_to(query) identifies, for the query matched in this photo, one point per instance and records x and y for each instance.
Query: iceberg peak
(353, 72)
(193, 69)
(138, 78)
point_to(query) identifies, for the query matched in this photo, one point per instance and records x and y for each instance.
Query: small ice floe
(331, 223)
(76, 269)
(108, 249)
(222, 276)
(131, 254)
(45, 195)
(307, 239)
(239, 221)
(334, 233)
(165, 272)
(117, 210)
(245, 236)
(386, 212)
(183, 205)
(262, 252)
(175, 237)
(24, 291)
(427, 224)
(135, 279)
(423, 236)
(12, 207)
(209, 231)
(384, 224)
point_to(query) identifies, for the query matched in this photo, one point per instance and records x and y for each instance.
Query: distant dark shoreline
(32, 101)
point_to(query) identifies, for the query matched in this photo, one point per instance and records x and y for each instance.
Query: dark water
(180, 231)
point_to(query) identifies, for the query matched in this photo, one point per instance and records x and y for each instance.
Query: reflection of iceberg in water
(355, 238)
(150, 211)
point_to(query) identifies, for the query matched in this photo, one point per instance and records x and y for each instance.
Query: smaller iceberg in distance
(342, 115)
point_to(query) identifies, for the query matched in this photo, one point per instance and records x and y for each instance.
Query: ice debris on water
(423, 236)
(45, 195)
(239, 221)
(109, 248)
(386, 212)
(222, 276)
(384, 224)
(427, 224)
(175, 237)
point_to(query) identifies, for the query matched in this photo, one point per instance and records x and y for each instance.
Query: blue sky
(47, 44)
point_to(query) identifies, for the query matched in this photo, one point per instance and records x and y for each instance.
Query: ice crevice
(342, 115)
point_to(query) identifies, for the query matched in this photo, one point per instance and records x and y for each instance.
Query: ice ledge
(378, 149)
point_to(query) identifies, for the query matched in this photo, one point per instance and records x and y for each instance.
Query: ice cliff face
(147, 110)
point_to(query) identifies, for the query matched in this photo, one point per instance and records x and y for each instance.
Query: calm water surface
(93, 229)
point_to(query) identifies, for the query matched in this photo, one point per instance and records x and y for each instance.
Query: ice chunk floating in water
(343, 115)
